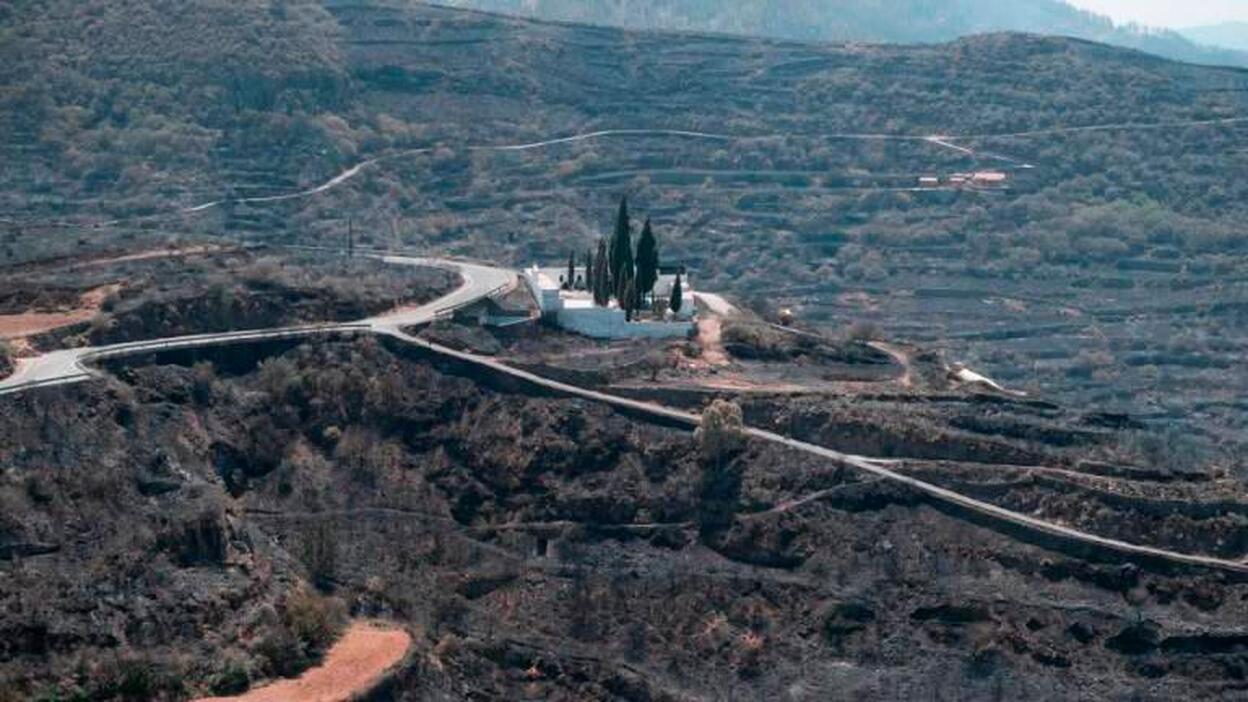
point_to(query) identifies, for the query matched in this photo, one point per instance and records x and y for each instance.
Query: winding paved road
(482, 281)
(872, 466)
(70, 365)
(946, 141)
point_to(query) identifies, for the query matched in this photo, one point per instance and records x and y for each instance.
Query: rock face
(542, 547)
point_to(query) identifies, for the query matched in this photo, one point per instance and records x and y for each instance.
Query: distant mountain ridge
(902, 21)
(1226, 35)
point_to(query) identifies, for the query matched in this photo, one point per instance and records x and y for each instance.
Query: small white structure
(980, 179)
(962, 374)
(575, 310)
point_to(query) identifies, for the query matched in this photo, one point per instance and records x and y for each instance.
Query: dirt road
(354, 665)
(17, 326)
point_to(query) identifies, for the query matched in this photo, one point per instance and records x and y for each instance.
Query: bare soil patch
(353, 665)
(710, 337)
(154, 294)
(19, 326)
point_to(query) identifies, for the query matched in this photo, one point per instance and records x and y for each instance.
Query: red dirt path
(17, 326)
(356, 663)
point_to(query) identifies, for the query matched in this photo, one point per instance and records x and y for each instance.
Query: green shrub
(320, 555)
(314, 620)
(309, 624)
(6, 359)
(134, 679)
(283, 655)
(234, 679)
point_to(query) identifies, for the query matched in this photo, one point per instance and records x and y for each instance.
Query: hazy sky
(1169, 13)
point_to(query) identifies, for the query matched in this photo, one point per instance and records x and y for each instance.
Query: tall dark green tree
(647, 262)
(602, 276)
(678, 296)
(589, 269)
(621, 254)
(571, 271)
(628, 299)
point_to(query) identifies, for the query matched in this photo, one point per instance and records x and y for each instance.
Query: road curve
(71, 365)
(941, 140)
(862, 463)
(481, 281)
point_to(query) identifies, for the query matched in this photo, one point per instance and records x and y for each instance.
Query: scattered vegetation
(1108, 220)
(130, 678)
(490, 519)
(234, 679)
(7, 361)
(752, 340)
(909, 21)
(622, 522)
(231, 290)
(721, 432)
(308, 625)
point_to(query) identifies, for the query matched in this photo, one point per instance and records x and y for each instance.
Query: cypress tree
(621, 254)
(571, 270)
(628, 270)
(602, 277)
(678, 296)
(589, 269)
(629, 298)
(647, 262)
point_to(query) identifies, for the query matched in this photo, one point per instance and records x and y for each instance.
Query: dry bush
(722, 431)
(6, 359)
(132, 678)
(309, 624)
(315, 620)
(863, 331)
(234, 678)
(655, 362)
(320, 555)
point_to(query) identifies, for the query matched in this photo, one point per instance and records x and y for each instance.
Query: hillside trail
(901, 357)
(151, 254)
(939, 140)
(710, 338)
(354, 665)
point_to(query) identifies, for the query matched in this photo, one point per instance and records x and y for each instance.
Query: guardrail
(433, 261)
(186, 342)
(46, 382)
(1001, 516)
(446, 312)
(206, 340)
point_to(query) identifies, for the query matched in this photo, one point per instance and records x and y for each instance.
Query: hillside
(164, 529)
(910, 21)
(1112, 272)
(204, 519)
(1227, 35)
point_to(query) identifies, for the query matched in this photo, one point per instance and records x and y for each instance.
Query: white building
(574, 309)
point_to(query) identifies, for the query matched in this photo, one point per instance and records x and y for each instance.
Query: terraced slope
(906, 21)
(1112, 273)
